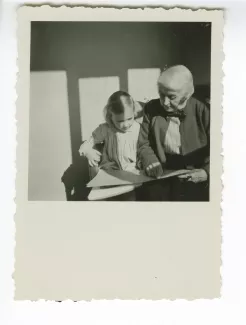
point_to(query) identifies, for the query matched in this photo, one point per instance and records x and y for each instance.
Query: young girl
(119, 135)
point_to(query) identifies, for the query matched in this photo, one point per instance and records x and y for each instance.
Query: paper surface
(104, 193)
(121, 177)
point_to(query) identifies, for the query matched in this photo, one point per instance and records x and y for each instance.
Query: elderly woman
(175, 134)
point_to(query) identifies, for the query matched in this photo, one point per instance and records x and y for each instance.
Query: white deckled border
(230, 309)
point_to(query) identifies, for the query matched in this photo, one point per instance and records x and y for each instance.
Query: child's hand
(154, 170)
(93, 157)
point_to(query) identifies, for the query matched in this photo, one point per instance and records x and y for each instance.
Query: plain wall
(195, 49)
(104, 49)
(49, 140)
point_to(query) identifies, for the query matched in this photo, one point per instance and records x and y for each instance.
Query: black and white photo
(128, 102)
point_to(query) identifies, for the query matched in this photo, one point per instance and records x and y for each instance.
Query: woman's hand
(154, 170)
(196, 176)
(93, 157)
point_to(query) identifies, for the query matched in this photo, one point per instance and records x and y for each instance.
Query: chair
(75, 179)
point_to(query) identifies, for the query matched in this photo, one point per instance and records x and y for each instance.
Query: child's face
(123, 121)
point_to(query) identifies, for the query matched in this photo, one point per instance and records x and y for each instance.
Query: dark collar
(179, 114)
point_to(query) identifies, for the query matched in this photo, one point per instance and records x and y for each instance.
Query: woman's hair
(184, 75)
(116, 104)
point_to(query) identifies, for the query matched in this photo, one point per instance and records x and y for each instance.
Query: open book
(120, 177)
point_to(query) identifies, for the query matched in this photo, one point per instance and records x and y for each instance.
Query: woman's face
(172, 100)
(123, 121)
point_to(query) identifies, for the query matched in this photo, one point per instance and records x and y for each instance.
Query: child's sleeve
(98, 136)
(145, 153)
(100, 133)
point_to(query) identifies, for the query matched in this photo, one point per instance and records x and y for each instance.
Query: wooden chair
(75, 179)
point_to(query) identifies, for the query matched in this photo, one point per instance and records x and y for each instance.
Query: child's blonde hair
(116, 104)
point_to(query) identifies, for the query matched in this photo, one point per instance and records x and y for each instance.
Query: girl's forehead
(128, 108)
(127, 114)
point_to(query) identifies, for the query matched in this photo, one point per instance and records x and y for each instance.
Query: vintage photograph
(119, 111)
(118, 105)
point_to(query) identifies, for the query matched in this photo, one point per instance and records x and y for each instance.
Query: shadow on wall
(100, 49)
(107, 49)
